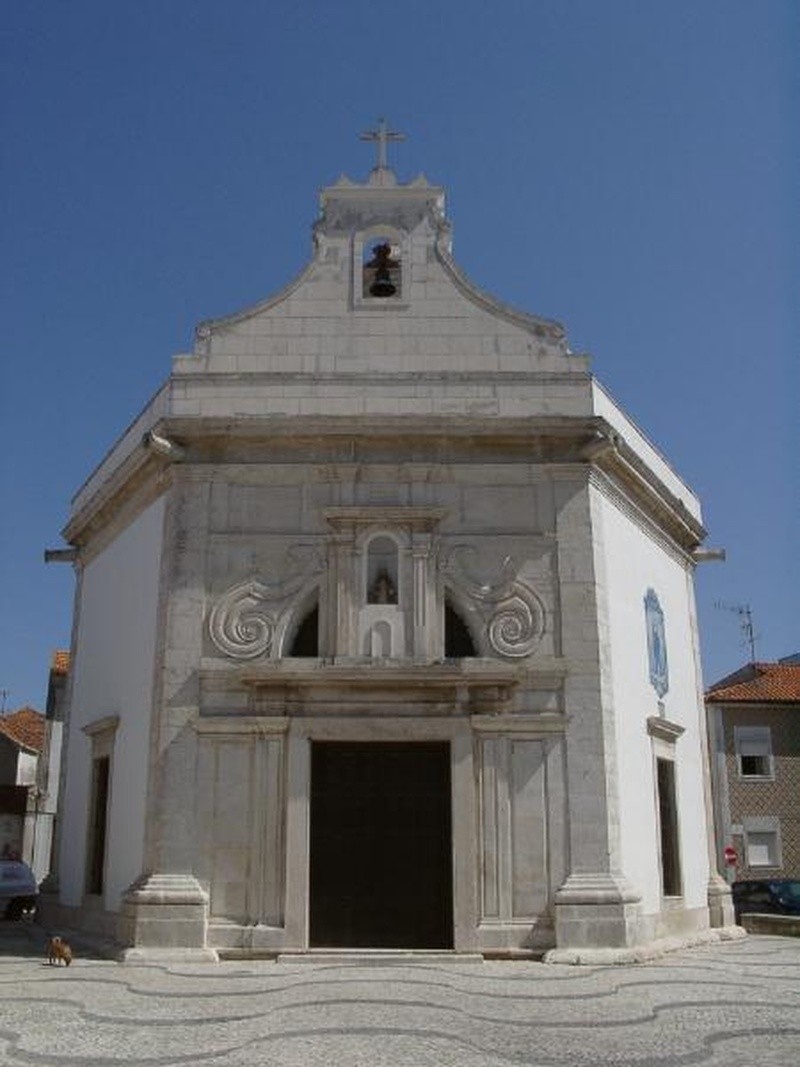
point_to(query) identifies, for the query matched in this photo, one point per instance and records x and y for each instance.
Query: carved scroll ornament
(239, 624)
(243, 622)
(516, 626)
(514, 615)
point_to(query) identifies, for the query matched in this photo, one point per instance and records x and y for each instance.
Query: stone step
(379, 957)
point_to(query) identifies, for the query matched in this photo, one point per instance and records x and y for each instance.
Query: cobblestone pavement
(730, 1004)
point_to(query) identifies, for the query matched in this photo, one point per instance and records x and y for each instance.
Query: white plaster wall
(113, 675)
(634, 562)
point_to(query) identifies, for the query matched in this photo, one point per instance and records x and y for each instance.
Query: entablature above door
(356, 687)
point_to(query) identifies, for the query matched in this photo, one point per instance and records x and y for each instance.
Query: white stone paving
(731, 1004)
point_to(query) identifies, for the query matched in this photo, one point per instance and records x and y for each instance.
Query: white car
(19, 892)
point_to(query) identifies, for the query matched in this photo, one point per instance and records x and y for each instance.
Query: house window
(753, 746)
(762, 843)
(668, 828)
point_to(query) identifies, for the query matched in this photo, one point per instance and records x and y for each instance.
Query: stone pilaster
(595, 906)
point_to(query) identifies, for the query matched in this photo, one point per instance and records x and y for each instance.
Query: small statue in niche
(382, 263)
(382, 590)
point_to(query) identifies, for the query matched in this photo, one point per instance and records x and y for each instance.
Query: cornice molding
(621, 460)
(101, 521)
(567, 376)
(580, 428)
(668, 535)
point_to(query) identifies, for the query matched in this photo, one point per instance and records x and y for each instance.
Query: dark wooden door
(381, 853)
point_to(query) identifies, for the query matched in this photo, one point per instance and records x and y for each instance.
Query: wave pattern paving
(727, 1005)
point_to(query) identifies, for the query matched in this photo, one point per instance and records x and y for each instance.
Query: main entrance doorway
(381, 851)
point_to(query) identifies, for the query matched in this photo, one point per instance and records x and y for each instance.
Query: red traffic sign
(730, 855)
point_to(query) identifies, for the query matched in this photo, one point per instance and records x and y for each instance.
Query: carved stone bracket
(514, 615)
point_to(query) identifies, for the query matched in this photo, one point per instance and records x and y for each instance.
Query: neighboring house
(386, 632)
(22, 738)
(49, 776)
(754, 730)
(30, 765)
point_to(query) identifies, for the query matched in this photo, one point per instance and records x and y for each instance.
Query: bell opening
(382, 270)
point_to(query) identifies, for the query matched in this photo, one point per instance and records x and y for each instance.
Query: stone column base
(720, 902)
(652, 950)
(599, 920)
(596, 911)
(164, 918)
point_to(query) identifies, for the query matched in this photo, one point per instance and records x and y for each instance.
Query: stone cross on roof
(382, 136)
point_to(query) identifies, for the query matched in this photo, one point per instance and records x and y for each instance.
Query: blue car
(19, 892)
(772, 896)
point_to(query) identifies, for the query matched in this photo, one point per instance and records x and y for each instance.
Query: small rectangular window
(753, 746)
(754, 766)
(762, 843)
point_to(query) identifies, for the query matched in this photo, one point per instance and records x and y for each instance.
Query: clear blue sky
(628, 168)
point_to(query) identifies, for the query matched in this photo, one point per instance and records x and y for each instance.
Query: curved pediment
(335, 317)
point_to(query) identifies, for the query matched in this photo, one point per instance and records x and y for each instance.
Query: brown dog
(57, 950)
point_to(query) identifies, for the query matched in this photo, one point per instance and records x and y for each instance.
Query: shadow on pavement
(26, 939)
(21, 937)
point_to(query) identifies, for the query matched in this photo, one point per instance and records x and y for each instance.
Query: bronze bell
(382, 286)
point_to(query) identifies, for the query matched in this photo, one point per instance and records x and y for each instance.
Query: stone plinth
(594, 910)
(720, 902)
(165, 918)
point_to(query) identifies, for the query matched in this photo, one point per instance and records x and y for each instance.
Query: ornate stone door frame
(458, 734)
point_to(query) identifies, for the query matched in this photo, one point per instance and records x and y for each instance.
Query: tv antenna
(3, 697)
(745, 622)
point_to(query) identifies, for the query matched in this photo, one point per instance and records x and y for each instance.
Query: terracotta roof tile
(761, 683)
(26, 727)
(59, 664)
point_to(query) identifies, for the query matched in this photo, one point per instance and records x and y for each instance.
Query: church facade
(385, 634)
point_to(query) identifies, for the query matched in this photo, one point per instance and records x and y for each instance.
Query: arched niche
(378, 640)
(382, 577)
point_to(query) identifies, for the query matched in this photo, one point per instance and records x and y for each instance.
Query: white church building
(385, 634)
